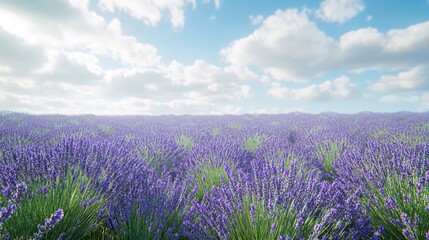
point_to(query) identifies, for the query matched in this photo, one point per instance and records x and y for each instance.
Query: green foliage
(409, 139)
(74, 121)
(209, 177)
(422, 126)
(407, 199)
(186, 142)
(144, 225)
(155, 159)
(129, 137)
(253, 142)
(107, 129)
(215, 132)
(235, 125)
(379, 134)
(17, 140)
(262, 223)
(67, 194)
(329, 152)
(280, 155)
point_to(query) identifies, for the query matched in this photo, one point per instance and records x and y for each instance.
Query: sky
(157, 57)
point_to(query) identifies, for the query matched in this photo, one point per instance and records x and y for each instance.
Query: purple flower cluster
(50, 223)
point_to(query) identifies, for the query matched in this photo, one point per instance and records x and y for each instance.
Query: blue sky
(213, 57)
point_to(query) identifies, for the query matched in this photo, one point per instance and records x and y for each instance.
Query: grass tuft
(252, 143)
(209, 177)
(186, 142)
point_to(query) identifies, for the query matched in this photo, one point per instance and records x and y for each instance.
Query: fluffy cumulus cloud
(151, 12)
(80, 28)
(337, 89)
(288, 46)
(414, 79)
(339, 11)
(53, 63)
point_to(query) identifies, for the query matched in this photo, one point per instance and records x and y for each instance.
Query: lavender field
(286, 176)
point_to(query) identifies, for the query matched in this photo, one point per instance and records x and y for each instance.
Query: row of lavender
(291, 176)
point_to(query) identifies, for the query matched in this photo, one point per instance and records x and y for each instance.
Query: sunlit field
(286, 176)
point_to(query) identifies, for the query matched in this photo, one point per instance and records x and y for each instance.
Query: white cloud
(82, 29)
(337, 89)
(151, 12)
(56, 67)
(394, 99)
(199, 82)
(256, 20)
(339, 11)
(369, 18)
(288, 46)
(413, 79)
(216, 2)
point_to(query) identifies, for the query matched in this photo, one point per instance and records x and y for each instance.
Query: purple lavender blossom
(390, 203)
(49, 224)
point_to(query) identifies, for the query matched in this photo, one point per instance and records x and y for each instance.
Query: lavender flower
(390, 203)
(252, 213)
(87, 203)
(273, 228)
(407, 199)
(49, 224)
(44, 190)
(378, 233)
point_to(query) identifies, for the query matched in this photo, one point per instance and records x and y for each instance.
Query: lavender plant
(271, 202)
(401, 207)
(73, 194)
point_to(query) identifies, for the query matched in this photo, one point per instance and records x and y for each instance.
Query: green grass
(329, 152)
(409, 139)
(215, 132)
(263, 224)
(129, 136)
(207, 178)
(144, 226)
(107, 129)
(156, 159)
(380, 135)
(252, 143)
(66, 194)
(235, 126)
(186, 142)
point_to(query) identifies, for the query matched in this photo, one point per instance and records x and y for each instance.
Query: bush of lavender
(395, 177)
(273, 201)
(79, 206)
